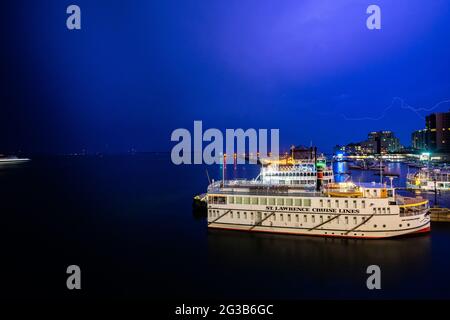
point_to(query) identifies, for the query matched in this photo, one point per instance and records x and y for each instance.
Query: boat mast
(223, 170)
(381, 168)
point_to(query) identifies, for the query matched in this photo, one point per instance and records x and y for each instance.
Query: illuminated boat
(300, 173)
(429, 179)
(12, 159)
(365, 210)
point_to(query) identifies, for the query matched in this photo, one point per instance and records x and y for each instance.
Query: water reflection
(258, 265)
(314, 267)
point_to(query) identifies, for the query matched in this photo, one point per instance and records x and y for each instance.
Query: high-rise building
(381, 142)
(436, 135)
(438, 130)
(377, 142)
(419, 140)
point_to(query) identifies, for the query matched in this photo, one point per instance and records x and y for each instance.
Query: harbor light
(425, 156)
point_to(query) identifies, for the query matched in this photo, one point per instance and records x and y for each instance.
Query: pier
(439, 214)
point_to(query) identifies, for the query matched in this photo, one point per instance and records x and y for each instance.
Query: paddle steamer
(284, 204)
(429, 179)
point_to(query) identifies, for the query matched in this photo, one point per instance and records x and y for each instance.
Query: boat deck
(257, 188)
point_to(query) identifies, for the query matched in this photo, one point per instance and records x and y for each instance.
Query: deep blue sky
(139, 69)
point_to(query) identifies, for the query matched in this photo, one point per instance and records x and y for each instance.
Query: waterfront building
(419, 140)
(438, 129)
(435, 137)
(377, 142)
(383, 142)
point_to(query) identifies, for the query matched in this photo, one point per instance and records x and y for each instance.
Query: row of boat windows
(347, 204)
(285, 217)
(342, 204)
(296, 174)
(354, 204)
(293, 218)
(310, 182)
(412, 211)
(270, 201)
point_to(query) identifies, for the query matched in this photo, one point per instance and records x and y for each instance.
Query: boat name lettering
(317, 210)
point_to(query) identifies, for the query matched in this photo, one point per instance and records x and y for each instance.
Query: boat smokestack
(319, 171)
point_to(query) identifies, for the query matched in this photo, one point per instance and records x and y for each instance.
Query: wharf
(439, 214)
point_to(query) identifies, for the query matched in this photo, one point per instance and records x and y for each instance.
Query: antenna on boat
(391, 178)
(207, 174)
(224, 156)
(381, 168)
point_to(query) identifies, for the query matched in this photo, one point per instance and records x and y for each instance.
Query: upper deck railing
(256, 187)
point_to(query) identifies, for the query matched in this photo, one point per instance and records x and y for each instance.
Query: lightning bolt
(403, 105)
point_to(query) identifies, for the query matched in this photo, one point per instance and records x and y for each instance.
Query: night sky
(139, 69)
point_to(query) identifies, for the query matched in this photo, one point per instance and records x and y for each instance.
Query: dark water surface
(127, 222)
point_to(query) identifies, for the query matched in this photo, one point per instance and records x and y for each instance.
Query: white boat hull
(13, 160)
(324, 232)
(313, 221)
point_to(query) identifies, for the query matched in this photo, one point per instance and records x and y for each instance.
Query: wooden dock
(440, 214)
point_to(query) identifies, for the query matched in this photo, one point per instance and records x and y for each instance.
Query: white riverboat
(12, 159)
(429, 179)
(364, 210)
(297, 172)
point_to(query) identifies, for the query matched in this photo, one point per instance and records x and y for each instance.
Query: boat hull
(423, 229)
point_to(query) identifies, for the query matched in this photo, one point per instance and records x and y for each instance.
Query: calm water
(127, 222)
